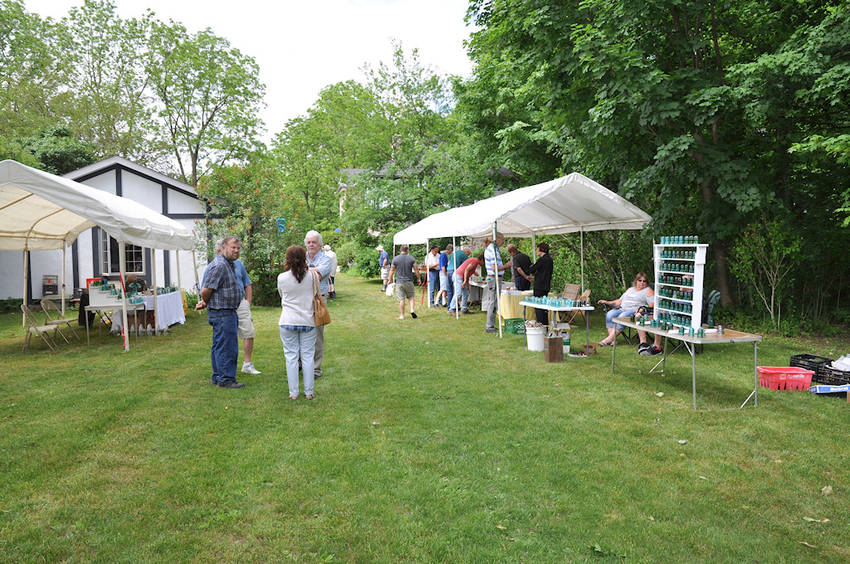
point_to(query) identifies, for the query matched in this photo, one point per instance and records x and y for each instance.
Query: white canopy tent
(42, 211)
(564, 205)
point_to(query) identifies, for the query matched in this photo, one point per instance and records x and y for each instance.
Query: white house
(95, 254)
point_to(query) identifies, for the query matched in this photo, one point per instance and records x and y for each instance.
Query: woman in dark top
(542, 271)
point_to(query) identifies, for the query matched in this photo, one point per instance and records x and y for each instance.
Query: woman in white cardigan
(297, 324)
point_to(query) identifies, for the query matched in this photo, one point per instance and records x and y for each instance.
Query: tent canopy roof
(42, 211)
(564, 205)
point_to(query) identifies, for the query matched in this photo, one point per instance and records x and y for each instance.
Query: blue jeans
(459, 293)
(225, 345)
(450, 286)
(617, 312)
(299, 345)
(433, 284)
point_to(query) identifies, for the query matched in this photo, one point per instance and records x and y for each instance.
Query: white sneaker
(248, 368)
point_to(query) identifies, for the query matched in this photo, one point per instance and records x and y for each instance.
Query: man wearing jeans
(221, 294)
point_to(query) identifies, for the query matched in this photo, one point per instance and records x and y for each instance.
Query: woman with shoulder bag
(297, 323)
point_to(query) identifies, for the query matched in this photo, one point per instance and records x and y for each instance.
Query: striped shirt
(492, 261)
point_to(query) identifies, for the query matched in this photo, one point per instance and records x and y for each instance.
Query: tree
(111, 105)
(651, 99)
(208, 97)
(57, 151)
(32, 72)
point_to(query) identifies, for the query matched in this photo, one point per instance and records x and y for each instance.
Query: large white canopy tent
(42, 211)
(565, 205)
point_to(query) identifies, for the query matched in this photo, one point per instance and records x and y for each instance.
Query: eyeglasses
(641, 279)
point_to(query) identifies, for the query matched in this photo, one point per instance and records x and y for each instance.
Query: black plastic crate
(809, 361)
(832, 376)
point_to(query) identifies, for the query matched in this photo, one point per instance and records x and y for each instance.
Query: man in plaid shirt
(221, 294)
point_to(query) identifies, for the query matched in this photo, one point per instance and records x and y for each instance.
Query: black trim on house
(29, 278)
(190, 216)
(119, 190)
(164, 199)
(75, 265)
(136, 172)
(148, 275)
(96, 267)
(166, 264)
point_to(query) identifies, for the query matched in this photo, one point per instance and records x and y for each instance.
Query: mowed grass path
(429, 441)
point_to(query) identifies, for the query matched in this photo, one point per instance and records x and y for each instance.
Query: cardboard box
(554, 350)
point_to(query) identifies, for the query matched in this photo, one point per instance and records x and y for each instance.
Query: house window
(133, 256)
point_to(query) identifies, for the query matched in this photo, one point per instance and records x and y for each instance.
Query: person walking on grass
(401, 272)
(384, 265)
(221, 294)
(297, 322)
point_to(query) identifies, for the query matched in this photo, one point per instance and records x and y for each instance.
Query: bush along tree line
(727, 120)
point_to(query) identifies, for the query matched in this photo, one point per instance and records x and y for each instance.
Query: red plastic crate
(785, 377)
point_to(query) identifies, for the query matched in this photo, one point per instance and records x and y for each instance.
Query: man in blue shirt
(246, 323)
(456, 259)
(221, 294)
(318, 262)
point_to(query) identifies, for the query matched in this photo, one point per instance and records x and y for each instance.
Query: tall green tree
(208, 95)
(652, 100)
(111, 104)
(32, 72)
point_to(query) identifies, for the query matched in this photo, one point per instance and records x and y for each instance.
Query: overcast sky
(305, 45)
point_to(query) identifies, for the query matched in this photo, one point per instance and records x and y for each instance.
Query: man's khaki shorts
(246, 324)
(405, 291)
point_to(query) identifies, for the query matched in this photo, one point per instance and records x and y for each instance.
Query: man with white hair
(334, 265)
(320, 263)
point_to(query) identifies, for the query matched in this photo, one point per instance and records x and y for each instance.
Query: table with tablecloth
(169, 310)
(509, 304)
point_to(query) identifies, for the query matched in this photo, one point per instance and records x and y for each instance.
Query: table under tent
(573, 203)
(42, 211)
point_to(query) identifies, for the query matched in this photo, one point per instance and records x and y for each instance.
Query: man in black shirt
(519, 267)
(542, 271)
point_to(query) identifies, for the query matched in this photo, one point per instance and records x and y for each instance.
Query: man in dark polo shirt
(519, 266)
(221, 294)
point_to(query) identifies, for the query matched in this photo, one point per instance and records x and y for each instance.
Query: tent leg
(452, 282)
(195, 265)
(177, 260)
(153, 277)
(26, 268)
(125, 332)
(581, 251)
(498, 296)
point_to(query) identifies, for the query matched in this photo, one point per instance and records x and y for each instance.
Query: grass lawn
(428, 441)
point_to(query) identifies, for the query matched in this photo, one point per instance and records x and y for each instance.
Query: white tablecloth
(169, 310)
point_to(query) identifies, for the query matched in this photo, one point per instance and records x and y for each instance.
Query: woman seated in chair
(639, 295)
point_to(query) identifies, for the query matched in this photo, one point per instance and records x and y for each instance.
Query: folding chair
(32, 328)
(576, 316)
(570, 293)
(53, 316)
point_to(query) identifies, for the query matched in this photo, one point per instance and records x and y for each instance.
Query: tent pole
(153, 277)
(177, 260)
(26, 268)
(195, 265)
(533, 244)
(427, 273)
(125, 333)
(452, 282)
(62, 281)
(498, 296)
(581, 246)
